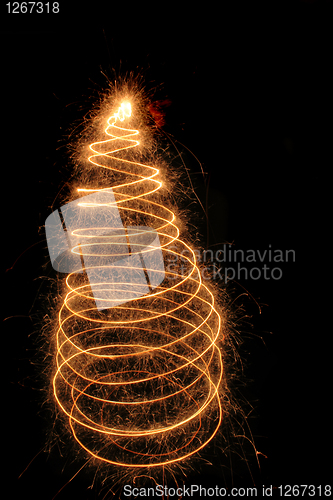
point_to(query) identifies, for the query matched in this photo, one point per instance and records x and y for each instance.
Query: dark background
(249, 96)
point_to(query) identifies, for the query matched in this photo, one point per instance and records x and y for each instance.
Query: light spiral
(139, 381)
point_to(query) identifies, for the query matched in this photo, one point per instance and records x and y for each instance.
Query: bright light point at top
(124, 110)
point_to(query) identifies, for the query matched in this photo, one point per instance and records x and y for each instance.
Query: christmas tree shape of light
(138, 368)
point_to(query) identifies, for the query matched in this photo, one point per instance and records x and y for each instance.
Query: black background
(249, 93)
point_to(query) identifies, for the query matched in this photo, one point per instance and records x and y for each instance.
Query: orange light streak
(139, 382)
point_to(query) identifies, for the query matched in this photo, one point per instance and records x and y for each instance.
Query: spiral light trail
(139, 381)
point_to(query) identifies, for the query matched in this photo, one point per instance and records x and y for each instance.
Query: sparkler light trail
(138, 368)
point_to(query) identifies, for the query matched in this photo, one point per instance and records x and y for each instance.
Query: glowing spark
(139, 382)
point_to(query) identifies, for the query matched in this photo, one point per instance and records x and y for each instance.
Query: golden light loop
(139, 382)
